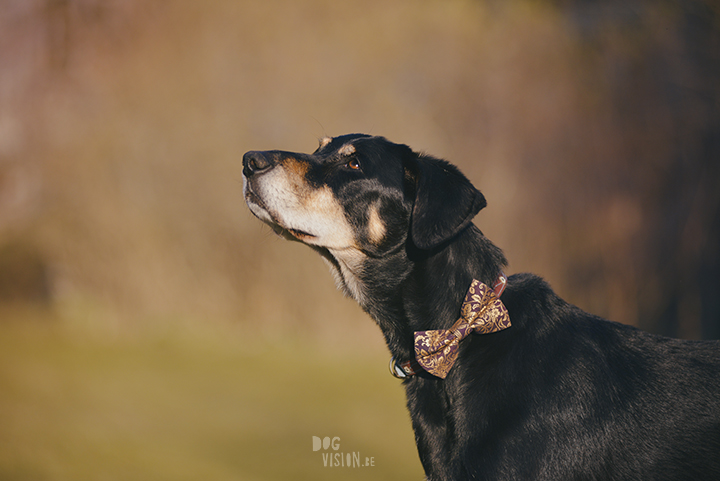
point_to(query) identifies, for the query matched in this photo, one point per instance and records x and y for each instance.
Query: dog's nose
(256, 162)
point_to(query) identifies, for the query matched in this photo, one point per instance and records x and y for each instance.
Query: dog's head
(359, 197)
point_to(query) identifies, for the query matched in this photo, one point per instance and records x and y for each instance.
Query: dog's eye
(353, 164)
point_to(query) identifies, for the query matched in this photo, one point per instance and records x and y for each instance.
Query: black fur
(562, 394)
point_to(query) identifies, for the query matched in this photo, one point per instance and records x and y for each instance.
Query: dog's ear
(445, 201)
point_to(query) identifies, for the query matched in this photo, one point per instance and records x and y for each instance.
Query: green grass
(190, 403)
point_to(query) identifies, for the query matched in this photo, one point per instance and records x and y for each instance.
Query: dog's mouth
(260, 210)
(290, 234)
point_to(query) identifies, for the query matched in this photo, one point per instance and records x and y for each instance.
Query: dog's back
(574, 396)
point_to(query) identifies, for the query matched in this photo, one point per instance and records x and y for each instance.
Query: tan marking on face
(291, 202)
(376, 227)
(347, 149)
(324, 141)
(295, 167)
(325, 218)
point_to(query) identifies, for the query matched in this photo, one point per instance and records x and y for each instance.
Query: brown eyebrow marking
(324, 141)
(347, 149)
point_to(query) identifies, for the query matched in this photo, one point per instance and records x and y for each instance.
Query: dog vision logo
(331, 456)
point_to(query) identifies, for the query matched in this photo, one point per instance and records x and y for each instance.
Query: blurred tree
(592, 127)
(659, 64)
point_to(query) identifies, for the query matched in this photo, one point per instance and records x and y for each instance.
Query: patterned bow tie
(481, 312)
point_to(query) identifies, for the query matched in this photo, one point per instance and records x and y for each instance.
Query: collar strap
(500, 284)
(404, 369)
(448, 345)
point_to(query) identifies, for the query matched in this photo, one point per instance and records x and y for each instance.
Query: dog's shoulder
(535, 308)
(557, 331)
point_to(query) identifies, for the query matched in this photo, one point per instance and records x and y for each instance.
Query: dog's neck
(438, 279)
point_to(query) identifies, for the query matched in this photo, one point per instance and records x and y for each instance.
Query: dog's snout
(256, 162)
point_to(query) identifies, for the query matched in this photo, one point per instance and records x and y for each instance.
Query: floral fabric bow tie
(481, 312)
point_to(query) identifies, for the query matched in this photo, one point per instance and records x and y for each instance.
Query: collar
(412, 367)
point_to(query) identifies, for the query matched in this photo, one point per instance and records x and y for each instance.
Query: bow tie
(481, 312)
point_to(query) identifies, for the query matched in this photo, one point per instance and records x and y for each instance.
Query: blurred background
(151, 328)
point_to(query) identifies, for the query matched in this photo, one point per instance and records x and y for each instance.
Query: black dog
(561, 394)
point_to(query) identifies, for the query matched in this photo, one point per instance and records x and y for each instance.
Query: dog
(554, 393)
